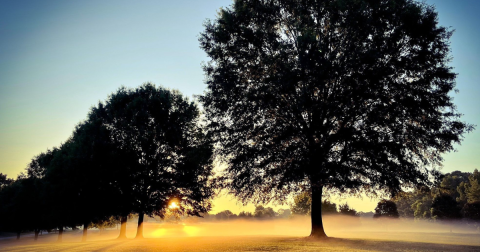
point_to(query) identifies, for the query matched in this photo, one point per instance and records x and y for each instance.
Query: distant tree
(444, 207)
(422, 207)
(244, 214)
(225, 215)
(264, 212)
(472, 189)
(329, 207)
(302, 204)
(284, 213)
(450, 183)
(173, 154)
(471, 211)
(340, 95)
(386, 208)
(366, 214)
(4, 181)
(345, 209)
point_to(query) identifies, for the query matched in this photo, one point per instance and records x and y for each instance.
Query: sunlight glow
(159, 232)
(173, 205)
(191, 230)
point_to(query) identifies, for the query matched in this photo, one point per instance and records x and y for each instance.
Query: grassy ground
(239, 243)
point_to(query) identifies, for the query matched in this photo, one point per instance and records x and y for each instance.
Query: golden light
(173, 205)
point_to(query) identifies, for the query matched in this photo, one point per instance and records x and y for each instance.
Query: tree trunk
(85, 227)
(18, 235)
(123, 228)
(316, 213)
(60, 233)
(37, 231)
(140, 226)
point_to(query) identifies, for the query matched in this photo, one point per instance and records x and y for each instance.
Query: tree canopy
(172, 153)
(339, 95)
(386, 208)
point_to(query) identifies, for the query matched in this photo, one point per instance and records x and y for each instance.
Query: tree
(471, 211)
(328, 95)
(444, 207)
(472, 189)
(345, 209)
(4, 181)
(450, 183)
(302, 205)
(172, 153)
(262, 212)
(386, 208)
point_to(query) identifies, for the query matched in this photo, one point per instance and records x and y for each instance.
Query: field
(263, 236)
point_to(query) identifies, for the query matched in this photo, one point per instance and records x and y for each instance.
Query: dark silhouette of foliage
(339, 95)
(444, 207)
(173, 155)
(345, 209)
(471, 211)
(262, 212)
(302, 205)
(244, 214)
(386, 208)
(4, 181)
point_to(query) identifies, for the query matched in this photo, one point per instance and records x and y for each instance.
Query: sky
(60, 58)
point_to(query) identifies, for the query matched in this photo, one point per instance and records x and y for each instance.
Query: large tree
(173, 156)
(328, 94)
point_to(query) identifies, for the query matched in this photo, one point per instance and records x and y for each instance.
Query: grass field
(289, 235)
(239, 243)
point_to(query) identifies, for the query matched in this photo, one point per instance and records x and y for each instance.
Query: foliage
(386, 208)
(262, 212)
(173, 155)
(302, 204)
(471, 211)
(4, 181)
(472, 189)
(344, 95)
(450, 183)
(345, 209)
(444, 207)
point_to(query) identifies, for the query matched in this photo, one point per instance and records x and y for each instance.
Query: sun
(173, 205)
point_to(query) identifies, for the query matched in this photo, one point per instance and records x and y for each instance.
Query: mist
(299, 226)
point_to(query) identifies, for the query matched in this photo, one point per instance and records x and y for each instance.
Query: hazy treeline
(457, 196)
(136, 153)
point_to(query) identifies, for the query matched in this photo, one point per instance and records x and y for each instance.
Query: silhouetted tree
(262, 212)
(173, 155)
(344, 95)
(345, 209)
(444, 207)
(472, 189)
(302, 205)
(4, 181)
(244, 214)
(471, 211)
(386, 208)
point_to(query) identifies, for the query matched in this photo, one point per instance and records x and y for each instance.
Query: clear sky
(58, 58)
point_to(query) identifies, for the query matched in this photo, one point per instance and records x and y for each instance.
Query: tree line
(135, 153)
(457, 196)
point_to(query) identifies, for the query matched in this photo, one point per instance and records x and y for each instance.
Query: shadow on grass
(383, 245)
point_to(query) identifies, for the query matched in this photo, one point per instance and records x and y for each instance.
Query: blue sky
(58, 58)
